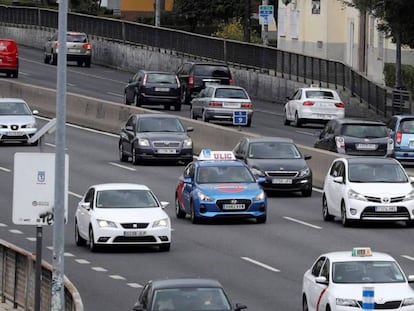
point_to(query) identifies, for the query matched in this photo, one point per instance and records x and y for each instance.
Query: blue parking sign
(240, 117)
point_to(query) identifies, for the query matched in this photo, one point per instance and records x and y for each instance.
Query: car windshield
(125, 199)
(211, 71)
(273, 150)
(12, 108)
(161, 78)
(366, 272)
(365, 130)
(160, 125)
(190, 299)
(224, 174)
(230, 93)
(376, 172)
(76, 38)
(319, 94)
(407, 126)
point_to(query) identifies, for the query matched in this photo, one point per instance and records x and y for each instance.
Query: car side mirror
(129, 128)
(187, 180)
(164, 204)
(338, 179)
(240, 306)
(35, 112)
(260, 179)
(308, 157)
(86, 205)
(138, 308)
(412, 179)
(410, 278)
(321, 280)
(190, 129)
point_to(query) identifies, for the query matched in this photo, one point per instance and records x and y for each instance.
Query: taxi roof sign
(361, 251)
(207, 154)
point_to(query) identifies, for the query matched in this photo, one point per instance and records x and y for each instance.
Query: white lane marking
(260, 264)
(306, 133)
(75, 194)
(50, 248)
(268, 112)
(68, 254)
(3, 225)
(408, 257)
(82, 261)
(70, 84)
(23, 73)
(31, 239)
(123, 166)
(317, 190)
(134, 285)
(302, 222)
(115, 94)
(117, 277)
(15, 231)
(5, 169)
(99, 269)
(50, 145)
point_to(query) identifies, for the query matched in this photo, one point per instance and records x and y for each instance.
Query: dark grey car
(155, 137)
(279, 161)
(356, 137)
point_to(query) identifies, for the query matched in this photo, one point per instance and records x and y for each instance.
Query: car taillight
(190, 81)
(230, 81)
(340, 142)
(144, 81)
(308, 103)
(390, 145)
(215, 104)
(247, 105)
(340, 105)
(56, 44)
(398, 137)
(87, 46)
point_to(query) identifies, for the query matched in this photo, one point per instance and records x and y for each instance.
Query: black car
(278, 160)
(155, 137)
(356, 137)
(185, 294)
(194, 76)
(154, 88)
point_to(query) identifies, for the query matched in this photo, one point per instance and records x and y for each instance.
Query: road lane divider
(260, 264)
(302, 222)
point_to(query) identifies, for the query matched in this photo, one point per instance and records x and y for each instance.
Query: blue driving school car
(216, 185)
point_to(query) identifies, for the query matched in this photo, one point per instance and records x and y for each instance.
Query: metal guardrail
(17, 271)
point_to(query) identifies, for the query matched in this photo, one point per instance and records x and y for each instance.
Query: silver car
(222, 102)
(17, 123)
(79, 49)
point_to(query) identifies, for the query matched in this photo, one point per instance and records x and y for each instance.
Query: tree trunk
(398, 78)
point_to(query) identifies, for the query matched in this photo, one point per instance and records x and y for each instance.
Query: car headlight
(356, 196)
(260, 197)
(143, 142)
(304, 172)
(161, 223)
(407, 302)
(31, 125)
(105, 223)
(258, 173)
(346, 302)
(202, 197)
(187, 143)
(409, 196)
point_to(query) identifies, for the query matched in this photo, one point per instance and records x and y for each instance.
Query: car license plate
(366, 146)
(231, 105)
(74, 50)
(281, 181)
(162, 89)
(411, 143)
(233, 206)
(385, 208)
(167, 151)
(14, 134)
(135, 233)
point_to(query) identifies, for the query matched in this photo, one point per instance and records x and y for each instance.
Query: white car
(17, 123)
(313, 105)
(355, 280)
(368, 189)
(122, 214)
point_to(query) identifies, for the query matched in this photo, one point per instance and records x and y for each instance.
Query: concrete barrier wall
(110, 117)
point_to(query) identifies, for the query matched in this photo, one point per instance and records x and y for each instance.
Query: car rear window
(320, 94)
(7, 46)
(211, 71)
(76, 38)
(231, 93)
(161, 78)
(365, 130)
(407, 126)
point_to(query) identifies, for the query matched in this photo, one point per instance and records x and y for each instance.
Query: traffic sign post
(265, 18)
(240, 118)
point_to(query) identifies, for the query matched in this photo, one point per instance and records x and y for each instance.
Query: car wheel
(307, 192)
(298, 121)
(87, 63)
(165, 247)
(135, 159)
(78, 239)
(46, 58)
(80, 63)
(178, 211)
(325, 212)
(8, 75)
(137, 100)
(167, 107)
(126, 102)
(183, 99)
(344, 219)
(192, 114)
(122, 156)
(204, 117)
(193, 216)
(177, 107)
(305, 304)
(409, 223)
(261, 219)
(249, 122)
(92, 246)
(53, 59)
(285, 119)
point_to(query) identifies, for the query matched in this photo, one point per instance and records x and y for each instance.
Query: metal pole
(265, 28)
(38, 281)
(58, 298)
(157, 13)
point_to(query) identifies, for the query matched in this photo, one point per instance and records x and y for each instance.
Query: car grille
(282, 173)
(389, 305)
(378, 199)
(136, 239)
(135, 225)
(400, 213)
(246, 203)
(166, 144)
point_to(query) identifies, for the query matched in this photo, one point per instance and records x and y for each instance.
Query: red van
(9, 58)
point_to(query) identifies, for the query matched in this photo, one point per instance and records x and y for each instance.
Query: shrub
(407, 76)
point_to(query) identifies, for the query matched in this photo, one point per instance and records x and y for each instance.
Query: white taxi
(355, 280)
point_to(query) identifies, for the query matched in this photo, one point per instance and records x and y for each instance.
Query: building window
(316, 6)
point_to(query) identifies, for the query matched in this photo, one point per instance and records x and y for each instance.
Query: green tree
(233, 30)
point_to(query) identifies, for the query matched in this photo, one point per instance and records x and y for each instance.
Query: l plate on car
(74, 50)
(385, 208)
(231, 105)
(366, 146)
(135, 233)
(281, 181)
(162, 89)
(14, 134)
(233, 206)
(166, 151)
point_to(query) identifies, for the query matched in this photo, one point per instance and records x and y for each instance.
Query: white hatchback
(313, 105)
(122, 214)
(368, 189)
(355, 280)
